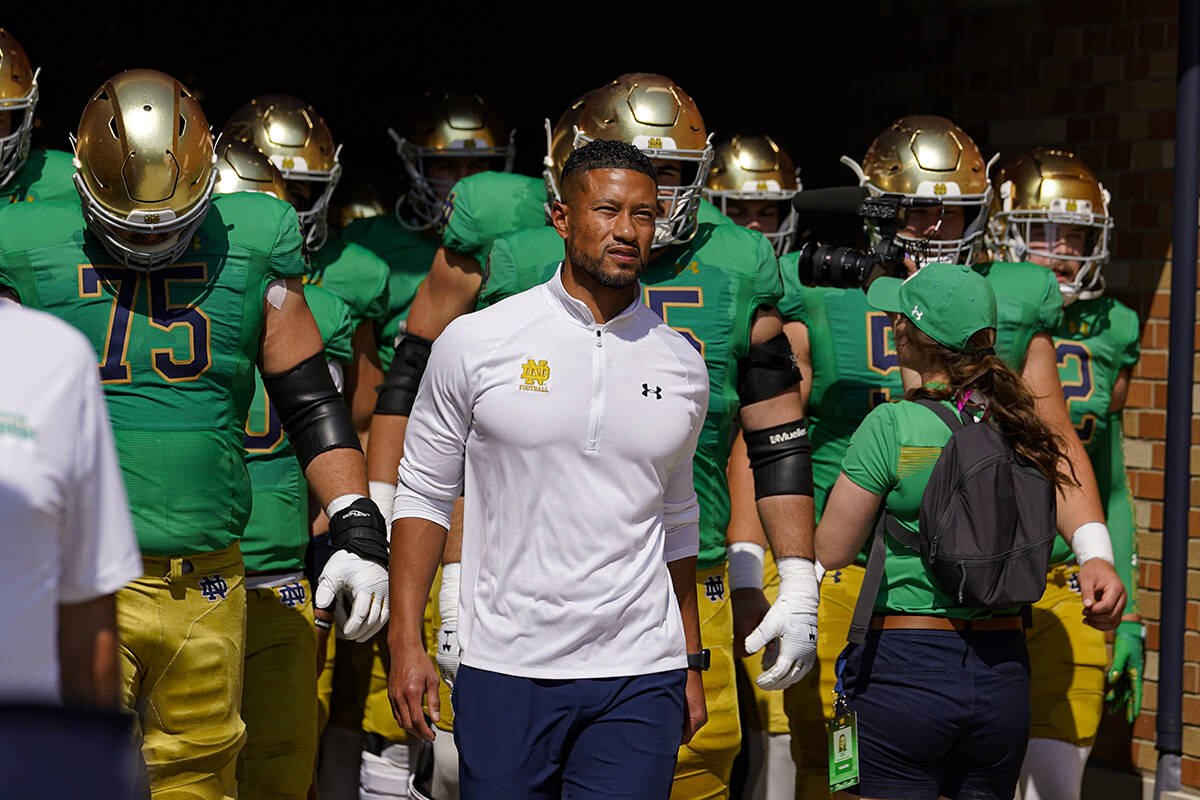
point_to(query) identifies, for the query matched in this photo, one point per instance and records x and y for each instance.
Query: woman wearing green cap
(940, 689)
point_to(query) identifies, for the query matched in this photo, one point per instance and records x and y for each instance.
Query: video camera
(847, 266)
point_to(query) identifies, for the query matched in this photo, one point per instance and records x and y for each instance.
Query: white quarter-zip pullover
(572, 443)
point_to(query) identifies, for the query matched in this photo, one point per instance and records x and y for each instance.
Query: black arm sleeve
(766, 370)
(311, 410)
(399, 388)
(781, 459)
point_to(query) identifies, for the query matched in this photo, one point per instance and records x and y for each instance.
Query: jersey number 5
(661, 299)
(124, 285)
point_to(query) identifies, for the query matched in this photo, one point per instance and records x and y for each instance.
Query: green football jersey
(353, 273)
(1028, 302)
(45, 175)
(408, 254)
(277, 533)
(176, 348)
(482, 207)
(1096, 340)
(707, 290)
(854, 367)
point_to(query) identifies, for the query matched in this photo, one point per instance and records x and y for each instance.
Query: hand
(366, 583)
(447, 654)
(411, 680)
(749, 608)
(696, 713)
(1125, 674)
(1103, 594)
(793, 621)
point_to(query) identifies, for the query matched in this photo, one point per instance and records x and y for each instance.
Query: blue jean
(525, 738)
(940, 713)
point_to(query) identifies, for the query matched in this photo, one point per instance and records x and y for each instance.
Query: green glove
(1125, 674)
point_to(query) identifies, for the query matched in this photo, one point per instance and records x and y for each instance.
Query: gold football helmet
(18, 99)
(292, 134)
(930, 157)
(242, 167)
(755, 168)
(447, 122)
(654, 114)
(359, 202)
(1052, 187)
(144, 167)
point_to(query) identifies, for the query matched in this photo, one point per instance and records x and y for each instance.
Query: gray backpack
(987, 524)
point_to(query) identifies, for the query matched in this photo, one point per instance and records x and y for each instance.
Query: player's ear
(559, 214)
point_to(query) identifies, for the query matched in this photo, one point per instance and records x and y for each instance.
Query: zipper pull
(599, 340)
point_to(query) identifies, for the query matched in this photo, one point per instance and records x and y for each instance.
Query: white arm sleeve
(681, 508)
(430, 477)
(99, 551)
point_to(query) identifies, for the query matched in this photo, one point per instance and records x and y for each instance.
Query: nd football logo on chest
(535, 375)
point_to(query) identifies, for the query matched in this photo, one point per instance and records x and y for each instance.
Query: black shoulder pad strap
(399, 389)
(311, 410)
(767, 370)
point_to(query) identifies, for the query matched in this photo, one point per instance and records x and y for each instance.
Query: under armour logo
(292, 594)
(837, 576)
(714, 588)
(917, 313)
(213, 588)
(656, 391)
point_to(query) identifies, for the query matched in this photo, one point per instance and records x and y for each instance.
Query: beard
(594, 267)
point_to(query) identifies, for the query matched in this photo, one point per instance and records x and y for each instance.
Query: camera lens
(833, 266)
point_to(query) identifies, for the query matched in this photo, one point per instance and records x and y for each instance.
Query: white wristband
(1091, 540)
(448, 594)
(384, 494)
(340, 502)
(745, 565)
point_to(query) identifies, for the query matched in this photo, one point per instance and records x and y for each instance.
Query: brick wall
(1098, 77)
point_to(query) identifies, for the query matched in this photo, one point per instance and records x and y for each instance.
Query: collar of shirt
(577, 311)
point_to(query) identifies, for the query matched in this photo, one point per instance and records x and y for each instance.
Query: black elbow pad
(311, 410)
(399, 389)
(781, 459)
(766, 370)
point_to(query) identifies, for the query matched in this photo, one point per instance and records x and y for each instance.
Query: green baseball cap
(949, 302)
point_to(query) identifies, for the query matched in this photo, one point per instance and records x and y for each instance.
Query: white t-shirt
(574, 444)
(65, 531)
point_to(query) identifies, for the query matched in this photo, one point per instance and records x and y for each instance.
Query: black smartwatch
(699, 661)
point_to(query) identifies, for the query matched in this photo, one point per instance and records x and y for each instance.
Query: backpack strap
(865, 607)
(953, 421)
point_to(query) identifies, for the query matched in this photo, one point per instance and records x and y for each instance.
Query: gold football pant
(765, 707)
(1067, 661)
(703, 766)
(279, 694)
(809, 703)
(182, 628)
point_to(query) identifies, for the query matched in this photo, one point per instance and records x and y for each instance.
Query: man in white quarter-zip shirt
(567, 416)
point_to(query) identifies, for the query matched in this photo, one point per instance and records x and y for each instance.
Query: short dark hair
(606, 154)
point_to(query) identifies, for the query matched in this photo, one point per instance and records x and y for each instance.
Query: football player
(448, 134)
(752, 181)
(299, 143)
(847, 348)
(1050, 210)
(181, 294)
(279, 686)
(717, 284)
(25, 175)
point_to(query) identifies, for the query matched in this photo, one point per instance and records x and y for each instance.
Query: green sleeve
(1050, 309)
(288, 258)
(768, 287)
(1133, 343)
(791, 305)
(459, 231)
(873, 452)
(1109, 464)
(333, 321)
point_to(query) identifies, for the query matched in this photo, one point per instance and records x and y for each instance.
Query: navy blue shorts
(940, 713)
(525, 738)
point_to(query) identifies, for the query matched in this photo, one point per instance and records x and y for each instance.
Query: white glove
(367, 585)
(793, 621)
(448, 650)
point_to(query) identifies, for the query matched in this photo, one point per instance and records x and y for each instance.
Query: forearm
(417, 546)
(363, 375)
(786, 518)
(452, 552)
(335, 473)
(683, 581)
(385, 446)
(87, 653)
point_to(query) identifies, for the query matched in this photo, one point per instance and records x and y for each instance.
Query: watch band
(699, 661)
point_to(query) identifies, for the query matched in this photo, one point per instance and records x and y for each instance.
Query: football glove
(793, 621)
(1125, 674)
(358, 568)
(448, 650)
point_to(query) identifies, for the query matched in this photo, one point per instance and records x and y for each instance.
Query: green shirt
(892, 455)
(46, 175)
(1096, 340)
(176, 348)
(707, 290)
(277, 533)
(1028, 302)
(487, 205)
(408, 255)
(356, 275)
